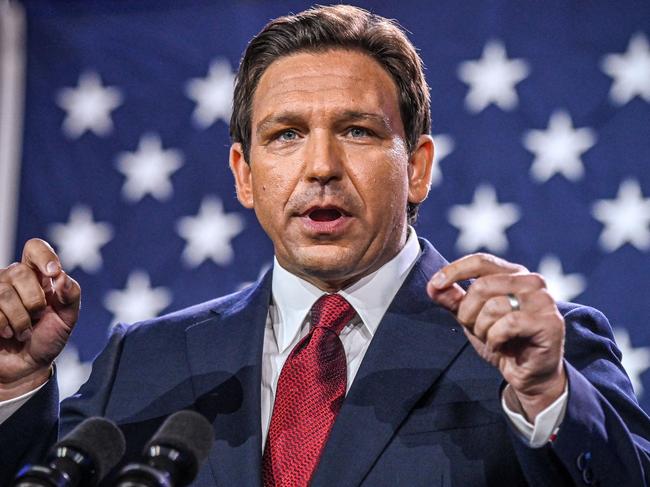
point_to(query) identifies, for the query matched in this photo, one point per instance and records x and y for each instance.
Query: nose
(323, 158)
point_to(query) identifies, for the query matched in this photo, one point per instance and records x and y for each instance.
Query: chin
(325, 262)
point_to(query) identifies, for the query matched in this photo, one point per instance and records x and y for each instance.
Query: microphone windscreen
(186, 431)
(99, 438)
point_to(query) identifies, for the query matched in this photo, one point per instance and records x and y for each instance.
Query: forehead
(326, 83)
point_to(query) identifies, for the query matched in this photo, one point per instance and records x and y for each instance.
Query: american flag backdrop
(114, 148)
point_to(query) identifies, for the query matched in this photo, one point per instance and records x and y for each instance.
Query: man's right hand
(39, 306)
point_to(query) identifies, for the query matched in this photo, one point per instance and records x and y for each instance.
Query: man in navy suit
(462, 373)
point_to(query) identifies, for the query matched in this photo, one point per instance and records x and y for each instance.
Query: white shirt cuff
(547, 423)
(10, 406)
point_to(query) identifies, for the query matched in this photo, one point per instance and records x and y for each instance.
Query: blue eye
(287, 135)
(356, 132)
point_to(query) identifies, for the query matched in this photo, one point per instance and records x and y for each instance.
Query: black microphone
(81, 459)
(173, 455)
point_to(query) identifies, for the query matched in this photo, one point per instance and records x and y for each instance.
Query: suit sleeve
(603, 439)
(27, 435)
(92, 397)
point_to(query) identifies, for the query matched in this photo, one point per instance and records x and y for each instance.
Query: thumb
(40, 256)
(449, 297)
(66, 290)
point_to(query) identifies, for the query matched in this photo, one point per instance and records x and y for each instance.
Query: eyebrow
(351, 115)
(290, 118)
(280, 119)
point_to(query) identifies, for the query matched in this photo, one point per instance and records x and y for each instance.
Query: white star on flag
(443, 146)
(626, 218)
(563, 287)
(79, 241)
(71, 372)
(212, 94)
(88, 106)
(630, 71)
(558, 148)
(208, 235)
(149, 169)
(635, 360)
(483, 223)
(492, 78)
(138, 301)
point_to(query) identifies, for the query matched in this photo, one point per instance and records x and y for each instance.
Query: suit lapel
(415, 342)
(224, 353)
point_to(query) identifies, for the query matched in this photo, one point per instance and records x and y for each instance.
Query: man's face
(329, 174)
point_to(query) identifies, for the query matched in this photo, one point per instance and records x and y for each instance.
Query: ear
(241, 170)
(419, 172)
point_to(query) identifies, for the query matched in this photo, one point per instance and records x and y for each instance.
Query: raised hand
(39, 306)
(512, 322)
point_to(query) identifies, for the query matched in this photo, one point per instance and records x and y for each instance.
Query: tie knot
(331, 311)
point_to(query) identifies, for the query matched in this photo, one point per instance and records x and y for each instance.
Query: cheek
(387, 182)
(391, 166)
(271, 190)
(398, 170)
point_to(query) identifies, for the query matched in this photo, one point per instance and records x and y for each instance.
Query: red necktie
(311, 389)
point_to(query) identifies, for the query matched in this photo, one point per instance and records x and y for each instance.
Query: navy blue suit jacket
(424, 408)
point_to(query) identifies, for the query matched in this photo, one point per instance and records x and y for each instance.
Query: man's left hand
(512, 321)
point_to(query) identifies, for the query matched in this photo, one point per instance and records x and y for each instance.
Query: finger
(508, 329)
(493, 309)
(471, 266)
(515, 328)
(23, 279)
(47, 284)
(449, 298)
(38, 254)
(490, 286)
(15, 312)
(66, 289)
(5, 329)
(538, 302)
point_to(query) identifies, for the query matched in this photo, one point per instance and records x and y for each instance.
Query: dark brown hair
(341, 26)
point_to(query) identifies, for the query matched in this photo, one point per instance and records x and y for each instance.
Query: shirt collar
(370, 296)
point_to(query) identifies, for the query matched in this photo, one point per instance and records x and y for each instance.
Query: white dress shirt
(288, 322)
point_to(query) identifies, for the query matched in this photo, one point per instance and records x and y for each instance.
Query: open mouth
(324, 222)
(325, 214)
